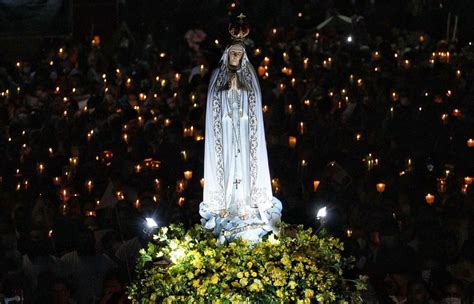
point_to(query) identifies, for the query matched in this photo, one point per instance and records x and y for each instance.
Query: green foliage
(189, 266)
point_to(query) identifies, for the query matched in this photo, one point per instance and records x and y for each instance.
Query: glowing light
(322, 213)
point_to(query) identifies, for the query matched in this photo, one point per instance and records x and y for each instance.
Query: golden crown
(239, 30)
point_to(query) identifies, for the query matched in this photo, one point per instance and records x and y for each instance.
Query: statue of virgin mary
(238, 200)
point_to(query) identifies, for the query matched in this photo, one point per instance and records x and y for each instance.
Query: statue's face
(235, 55)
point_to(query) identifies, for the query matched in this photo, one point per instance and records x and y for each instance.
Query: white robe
(236, 183)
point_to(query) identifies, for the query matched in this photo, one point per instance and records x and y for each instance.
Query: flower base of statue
(251, 225)
(190, 266)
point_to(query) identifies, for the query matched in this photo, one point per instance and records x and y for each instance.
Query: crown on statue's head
(239, 30)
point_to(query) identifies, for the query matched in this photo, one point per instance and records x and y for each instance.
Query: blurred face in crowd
(452, 294)
(39, 245)
(86, 243)
(132, 100)
(61, 293)
(417, 293)
(236, 52)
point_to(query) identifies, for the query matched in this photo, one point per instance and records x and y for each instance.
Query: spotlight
(322, 213)
(151, 223)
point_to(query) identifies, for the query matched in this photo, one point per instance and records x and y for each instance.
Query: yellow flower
(190, 275)
(202, 290)
(235, 284)
(214, 279)
(254, 274)
(285, 260)
(279, 293)
(196, 283)
(244, 281)
(308, 293)
(256, 285)
(240, 275)
(292, 284)
(249, 264)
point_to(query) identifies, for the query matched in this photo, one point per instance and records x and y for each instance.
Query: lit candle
(188, 175)
(394, 96)
(468, 180)
(25, 184)
(40, 168)
(91, 213)
(125, 137)
(290, 108)
(430, 198)
(281, 87)
(137, 204)
(90, 134)
(201, 182)
(409, 165)
(265, 109)
(275, 185)
(292, 141)
(470, 143)
(167, 122)
(181, 201)
(457, 113)
(358, 136)
(305, 63)
(464, 189)
(316, 185)
(89, 186)
(444, 118)
(369, 161)
(180, 185)
(73, 161)
(376, 55)
(349, 232)
(184, 155)
(441, 184)
(138, 168)
(380, 187)
(157, 184)
(301, 127)
(119, 195)
(293, 82)
(56, 180)
(406, 64)
(64, 195)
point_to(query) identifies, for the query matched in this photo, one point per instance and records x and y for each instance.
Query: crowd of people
(375, 125)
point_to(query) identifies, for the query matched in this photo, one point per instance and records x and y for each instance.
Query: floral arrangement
(190, 266)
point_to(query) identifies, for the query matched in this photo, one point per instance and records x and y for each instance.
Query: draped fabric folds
(236, 174)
